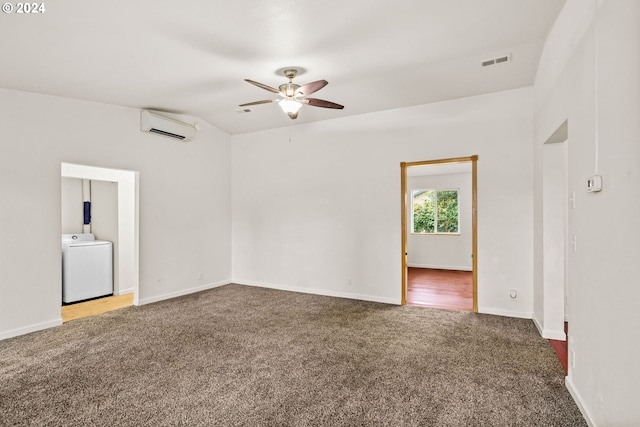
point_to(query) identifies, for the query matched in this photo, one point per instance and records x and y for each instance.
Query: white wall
(444, 251)
(104, 214)
(71, 209)
(104, 210)
(104, 220)
(184, 201)
(321, 213)
(603, 290)
(549, 304)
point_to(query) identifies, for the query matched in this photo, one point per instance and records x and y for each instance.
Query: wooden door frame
(474, 218)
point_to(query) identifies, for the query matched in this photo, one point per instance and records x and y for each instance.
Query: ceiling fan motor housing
(288, 90)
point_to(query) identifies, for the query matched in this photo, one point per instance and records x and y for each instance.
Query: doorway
(440, 288)
(552, 317)
(126, 258)
(95, 306)
(422, 195)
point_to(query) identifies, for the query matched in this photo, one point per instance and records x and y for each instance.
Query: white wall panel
(604, 136)
(184, 201)
(316, 207)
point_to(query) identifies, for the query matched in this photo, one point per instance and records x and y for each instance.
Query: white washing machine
(87, 267)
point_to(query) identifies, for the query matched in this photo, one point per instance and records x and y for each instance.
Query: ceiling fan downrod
(288, 90)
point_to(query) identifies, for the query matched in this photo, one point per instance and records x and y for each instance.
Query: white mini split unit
(155, 123)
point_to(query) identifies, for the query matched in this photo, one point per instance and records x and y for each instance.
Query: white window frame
(435, 213)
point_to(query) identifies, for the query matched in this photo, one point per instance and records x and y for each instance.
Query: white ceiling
(191, 57)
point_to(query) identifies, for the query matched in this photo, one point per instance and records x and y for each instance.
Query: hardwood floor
(561, 349)
(451, 289)
(96, 306)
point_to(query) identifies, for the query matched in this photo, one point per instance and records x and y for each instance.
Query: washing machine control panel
(81, 237)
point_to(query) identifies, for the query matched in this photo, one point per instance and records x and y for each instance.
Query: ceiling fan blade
(262, 85)
(264, 101)
(309, 88)
(315, 102)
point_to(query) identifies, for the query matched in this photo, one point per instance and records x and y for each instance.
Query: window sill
(436, 234)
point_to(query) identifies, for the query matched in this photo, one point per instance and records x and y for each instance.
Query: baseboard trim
(31, 328)
(123, 291)
(323, 292)
(538, 326)
(579, 401)
(505, 313)
(441, 267)
(554, 335)
(549, 334)
(143, 301)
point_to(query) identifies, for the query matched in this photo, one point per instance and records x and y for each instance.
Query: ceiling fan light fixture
(290, 106)
(293, 95)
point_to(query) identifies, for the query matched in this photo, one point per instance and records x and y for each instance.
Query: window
(435, 211)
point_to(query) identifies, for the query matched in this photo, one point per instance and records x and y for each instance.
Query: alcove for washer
(126, 271)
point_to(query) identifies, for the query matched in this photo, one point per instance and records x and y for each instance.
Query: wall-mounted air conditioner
(155, 123)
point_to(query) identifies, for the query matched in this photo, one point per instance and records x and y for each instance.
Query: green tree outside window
(435, 211)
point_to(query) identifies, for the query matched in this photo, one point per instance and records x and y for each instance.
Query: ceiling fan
(294, 95)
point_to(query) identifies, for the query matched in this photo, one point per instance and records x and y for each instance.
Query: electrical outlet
(199, 276)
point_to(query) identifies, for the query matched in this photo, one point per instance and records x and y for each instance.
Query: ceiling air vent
(498, 60)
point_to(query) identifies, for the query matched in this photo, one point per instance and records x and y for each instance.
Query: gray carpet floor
(245, 356)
